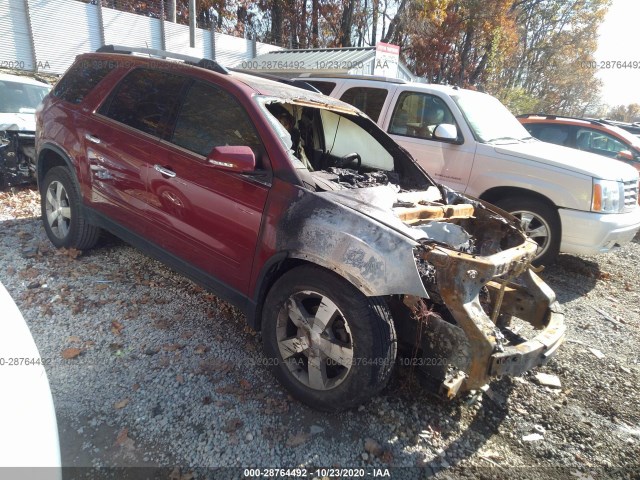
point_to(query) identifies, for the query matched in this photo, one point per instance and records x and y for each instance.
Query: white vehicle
(567, 200)
(27, 415)
(19, 98)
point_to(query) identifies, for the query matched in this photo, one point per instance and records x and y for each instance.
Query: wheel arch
(50, 156)
(495, 194)
(278, 266)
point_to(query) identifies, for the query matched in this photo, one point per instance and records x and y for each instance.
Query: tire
(540, 222)
(359, 336)
(62, 213)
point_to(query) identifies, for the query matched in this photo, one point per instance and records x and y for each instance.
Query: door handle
(91, 138)
(164, 171)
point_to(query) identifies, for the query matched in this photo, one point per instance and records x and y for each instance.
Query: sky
(618, 40)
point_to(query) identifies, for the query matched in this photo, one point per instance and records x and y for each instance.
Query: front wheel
(62, 214)
(540, 222)
(329, 345)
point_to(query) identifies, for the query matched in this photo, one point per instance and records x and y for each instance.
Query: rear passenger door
(208, 217)
(122, 143)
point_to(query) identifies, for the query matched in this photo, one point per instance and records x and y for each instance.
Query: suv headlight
(608, 196)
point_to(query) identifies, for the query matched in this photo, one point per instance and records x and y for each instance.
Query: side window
(144, 99)
(325, 87)
(418, 114)
(558, 134)
(369, 100)
(598, 142)
(80, 79)
(210, 117)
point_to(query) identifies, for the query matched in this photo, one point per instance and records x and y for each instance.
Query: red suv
(298, 209)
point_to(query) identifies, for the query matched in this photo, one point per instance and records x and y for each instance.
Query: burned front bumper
(509, 288)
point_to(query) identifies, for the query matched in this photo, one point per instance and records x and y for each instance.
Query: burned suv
(298, 209)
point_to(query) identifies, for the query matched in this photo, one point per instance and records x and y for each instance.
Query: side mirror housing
(238, 159)
(446, 132)
(625, 155)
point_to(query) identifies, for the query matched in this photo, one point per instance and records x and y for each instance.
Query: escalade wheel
(62, 214)
(328, 344)
(540, 222)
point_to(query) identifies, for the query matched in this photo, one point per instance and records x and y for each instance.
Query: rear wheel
(62, 214)
(540, 222)
(329, 345)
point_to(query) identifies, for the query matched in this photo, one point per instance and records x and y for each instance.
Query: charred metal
(454, 270)
(17, 158)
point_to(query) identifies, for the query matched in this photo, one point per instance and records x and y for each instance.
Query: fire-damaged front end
(476, 269)
(455, 272)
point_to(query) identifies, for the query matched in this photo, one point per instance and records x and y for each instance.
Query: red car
(298, 209)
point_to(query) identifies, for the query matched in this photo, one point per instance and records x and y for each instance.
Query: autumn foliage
(532, 54)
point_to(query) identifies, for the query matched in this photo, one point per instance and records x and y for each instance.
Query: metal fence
(46, 35)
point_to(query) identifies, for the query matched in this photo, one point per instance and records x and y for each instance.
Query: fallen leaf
(214, 365)
(201, 349)
(245, 384)
(123, 435)
(123, 440)
(387, 456)
(69, 353)
(373, 447)
(116, 327)
(74, 339)
(121, 404)
(135, 387)
(232, 425)
(172, 347)
(298, 439)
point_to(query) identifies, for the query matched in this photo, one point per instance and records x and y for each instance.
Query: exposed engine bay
(473, 260)
(17, 158)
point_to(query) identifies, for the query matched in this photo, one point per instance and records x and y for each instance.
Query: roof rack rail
(198, 62)
(287, 81)
(554, 117)
(357, 76)
(631, 127)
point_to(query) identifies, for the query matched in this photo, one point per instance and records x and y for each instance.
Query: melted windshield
(339, 148)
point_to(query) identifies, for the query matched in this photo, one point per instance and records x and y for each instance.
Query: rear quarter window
(369, 100)
(325, 87)
(80, 79)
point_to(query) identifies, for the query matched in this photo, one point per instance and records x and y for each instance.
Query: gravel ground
(148, 369)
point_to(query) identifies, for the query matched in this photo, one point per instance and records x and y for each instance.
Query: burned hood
(457, 222)
(374, 202)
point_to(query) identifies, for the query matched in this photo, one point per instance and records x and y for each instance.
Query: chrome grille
(630, 194)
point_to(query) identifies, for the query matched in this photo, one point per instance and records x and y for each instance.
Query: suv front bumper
(588, 233)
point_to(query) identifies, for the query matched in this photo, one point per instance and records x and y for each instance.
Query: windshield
(18, 97)
(489, 119)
